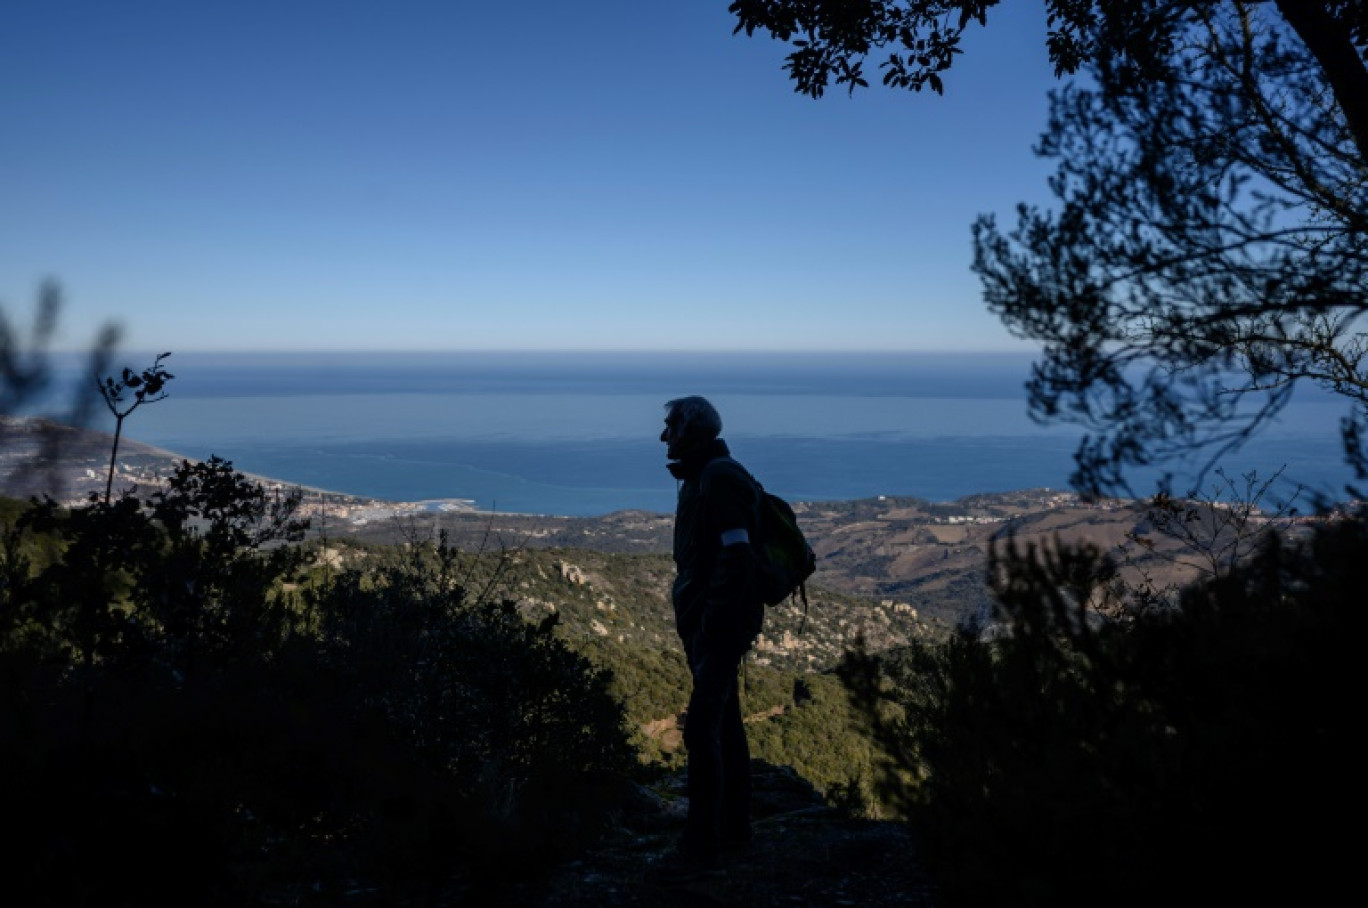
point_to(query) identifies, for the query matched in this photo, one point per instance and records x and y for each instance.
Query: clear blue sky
(608, 174)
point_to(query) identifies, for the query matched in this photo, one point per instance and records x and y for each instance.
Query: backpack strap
(726, 461)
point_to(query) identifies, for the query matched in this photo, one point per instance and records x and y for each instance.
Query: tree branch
(1331, 44)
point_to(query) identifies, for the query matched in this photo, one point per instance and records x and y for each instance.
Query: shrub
(1201, 749)
(165, 695)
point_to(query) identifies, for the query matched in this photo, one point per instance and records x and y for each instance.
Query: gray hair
(698, 414)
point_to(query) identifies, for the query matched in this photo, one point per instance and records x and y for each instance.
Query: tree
(1208, 253)
(833, 38)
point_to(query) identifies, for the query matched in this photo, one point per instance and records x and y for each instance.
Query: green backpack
(786, 559)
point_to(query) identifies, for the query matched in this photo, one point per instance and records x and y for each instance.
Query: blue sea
(577, 434)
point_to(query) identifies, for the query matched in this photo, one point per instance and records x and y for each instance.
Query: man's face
(675, 435)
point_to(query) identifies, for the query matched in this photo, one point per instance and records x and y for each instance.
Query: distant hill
(886, 566)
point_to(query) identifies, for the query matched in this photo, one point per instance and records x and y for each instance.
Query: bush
(1201, 750)
(177, 725)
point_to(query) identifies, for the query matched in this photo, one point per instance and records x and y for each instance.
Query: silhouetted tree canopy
(919, 39)
(1207, 253)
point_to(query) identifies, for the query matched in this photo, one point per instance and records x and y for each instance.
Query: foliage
(1076, 760)
(613, 609)
(808, 724)
(148, 386)
(653, 686)
(476, 690)
(832, 39)
(1207, 254)
(169, 690)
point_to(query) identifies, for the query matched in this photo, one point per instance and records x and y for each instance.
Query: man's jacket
(714, 604)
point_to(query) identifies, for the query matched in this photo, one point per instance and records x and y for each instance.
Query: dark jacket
(714, 602)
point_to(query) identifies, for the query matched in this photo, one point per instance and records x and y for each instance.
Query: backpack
(785, 559)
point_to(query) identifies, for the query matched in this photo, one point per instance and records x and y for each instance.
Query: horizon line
(578, 351)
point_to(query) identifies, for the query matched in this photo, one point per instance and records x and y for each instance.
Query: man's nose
(664, 432)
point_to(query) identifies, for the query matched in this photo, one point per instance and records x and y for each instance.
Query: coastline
(28, 468)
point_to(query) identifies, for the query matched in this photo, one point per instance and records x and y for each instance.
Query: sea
(577, 433)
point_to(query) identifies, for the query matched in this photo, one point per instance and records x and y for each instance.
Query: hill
(886, 563)
(887, 567)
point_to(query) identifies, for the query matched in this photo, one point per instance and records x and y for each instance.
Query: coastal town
(39, 457)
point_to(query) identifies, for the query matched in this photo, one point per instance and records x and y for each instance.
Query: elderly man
(718, 617)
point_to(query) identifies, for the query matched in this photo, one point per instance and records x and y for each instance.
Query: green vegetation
(614, 609)
(1203, 746)
(181, 683)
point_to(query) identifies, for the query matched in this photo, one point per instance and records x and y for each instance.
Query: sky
(404, 175)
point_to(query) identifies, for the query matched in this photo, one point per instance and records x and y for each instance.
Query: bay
(576, 434)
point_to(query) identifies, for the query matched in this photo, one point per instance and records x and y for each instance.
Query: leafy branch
(124, 395)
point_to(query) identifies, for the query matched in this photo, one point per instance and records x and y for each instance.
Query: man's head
(689, 423)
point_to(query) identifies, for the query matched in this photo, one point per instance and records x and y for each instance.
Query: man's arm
(730, 497)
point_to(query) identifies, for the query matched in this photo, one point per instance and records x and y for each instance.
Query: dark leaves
(146, 386)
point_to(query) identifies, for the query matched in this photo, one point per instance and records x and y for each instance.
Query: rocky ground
(804, 853)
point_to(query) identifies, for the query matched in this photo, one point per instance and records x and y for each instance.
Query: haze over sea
(576, 434)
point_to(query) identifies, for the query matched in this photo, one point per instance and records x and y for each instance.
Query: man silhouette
(718, 618)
